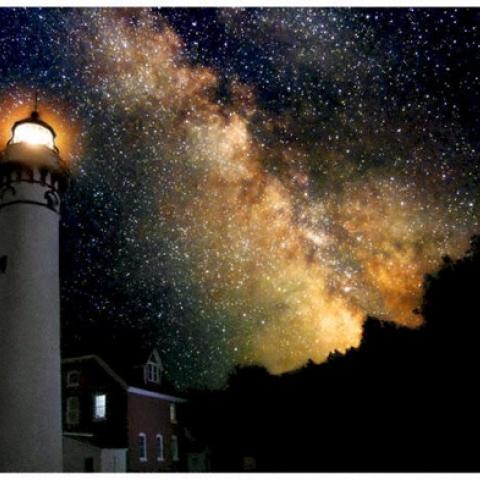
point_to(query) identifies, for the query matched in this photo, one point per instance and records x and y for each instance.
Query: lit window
(73, 378)
(175, 455)
(159, 447)
(142, 447)
(73, 411)
(173, 413)
(100, 406)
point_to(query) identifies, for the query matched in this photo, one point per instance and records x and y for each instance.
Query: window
(159, 447)
(73, 411)
(142, 447)
(100, 406)
(173, 413)
(73, 378)
(175, 456)
(152, 373)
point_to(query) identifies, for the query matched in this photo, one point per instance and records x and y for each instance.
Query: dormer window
(153, 373)
(153, 368)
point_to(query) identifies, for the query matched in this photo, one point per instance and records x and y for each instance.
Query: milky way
(249, 185)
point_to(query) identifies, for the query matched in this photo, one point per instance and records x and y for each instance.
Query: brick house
(121, 418)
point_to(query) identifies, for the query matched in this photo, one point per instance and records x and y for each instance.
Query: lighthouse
(32, 180)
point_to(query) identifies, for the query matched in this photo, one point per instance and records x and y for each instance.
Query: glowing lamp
(33, 131)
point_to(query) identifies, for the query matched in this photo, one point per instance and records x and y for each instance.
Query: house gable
(102, 364)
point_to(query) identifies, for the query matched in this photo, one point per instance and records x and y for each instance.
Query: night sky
(249, 184)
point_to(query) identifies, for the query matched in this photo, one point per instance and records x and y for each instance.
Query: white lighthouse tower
(32, 179)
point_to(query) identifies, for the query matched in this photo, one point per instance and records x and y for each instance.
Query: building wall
(77, 453)
(114, 460)
(152, 416)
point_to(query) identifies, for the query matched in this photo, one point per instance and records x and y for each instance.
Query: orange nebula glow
(294, 276)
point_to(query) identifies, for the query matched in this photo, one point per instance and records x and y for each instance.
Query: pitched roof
(165, 394)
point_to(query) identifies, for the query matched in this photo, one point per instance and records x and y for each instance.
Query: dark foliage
(404, 401)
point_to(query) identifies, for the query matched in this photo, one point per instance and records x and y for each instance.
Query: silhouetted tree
(451, 307)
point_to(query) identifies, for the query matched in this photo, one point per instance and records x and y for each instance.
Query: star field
(249, 184)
